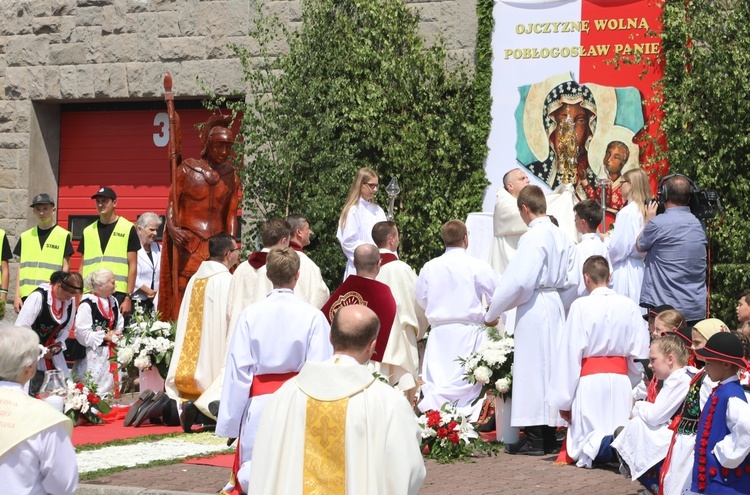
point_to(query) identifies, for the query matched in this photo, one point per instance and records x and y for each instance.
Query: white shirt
(451, 288)
(42, 464)
(360, 219)
(735, 447)
(148, 270)
(590, 245)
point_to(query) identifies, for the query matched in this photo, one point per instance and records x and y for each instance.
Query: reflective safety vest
(38, 263)
(115, 256)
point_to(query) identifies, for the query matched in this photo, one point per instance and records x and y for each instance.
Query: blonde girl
(359, 215)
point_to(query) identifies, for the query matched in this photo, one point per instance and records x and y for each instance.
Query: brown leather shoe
(145, 398)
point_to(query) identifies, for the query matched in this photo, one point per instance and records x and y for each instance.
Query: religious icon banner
(573, 93)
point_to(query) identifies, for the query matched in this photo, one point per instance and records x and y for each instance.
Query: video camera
(703, 204)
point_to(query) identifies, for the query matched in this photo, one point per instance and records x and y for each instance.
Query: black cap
(105, 192)
(685, 333)
(653, 311)
(725, 347)
(42, 199)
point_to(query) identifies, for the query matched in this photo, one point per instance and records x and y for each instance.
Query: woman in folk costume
(99, 325)
(643, 444)
(36, 455)
(359, 215)
(50, 312)
(678, 466)
(627, 263)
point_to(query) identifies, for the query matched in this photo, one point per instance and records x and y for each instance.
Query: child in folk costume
(99, 325)
(721, 463)
(594, 368)
(665, 322)
(643, 443)
(676, 473)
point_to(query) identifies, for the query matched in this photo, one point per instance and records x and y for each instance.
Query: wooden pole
(174, 155)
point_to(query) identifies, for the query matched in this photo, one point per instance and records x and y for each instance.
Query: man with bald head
(508, 226)
(337, 427)
(452, 289)
(362, 288)
(675, 246)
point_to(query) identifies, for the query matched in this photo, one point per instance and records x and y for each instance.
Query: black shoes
(153, 410)
(188, 416)
(524, 447)
(213, 408)
(144, 400)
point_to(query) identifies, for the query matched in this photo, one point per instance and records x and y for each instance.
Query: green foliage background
(707, 122)
(359, 87)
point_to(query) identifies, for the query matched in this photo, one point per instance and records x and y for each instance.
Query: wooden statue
(203, 202)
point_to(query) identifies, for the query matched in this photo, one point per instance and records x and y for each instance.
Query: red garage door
(123, 149)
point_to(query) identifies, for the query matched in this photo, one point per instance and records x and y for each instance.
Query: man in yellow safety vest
(42, 250)
(111, 242)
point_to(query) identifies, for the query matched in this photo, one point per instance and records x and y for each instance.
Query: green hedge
(707, 105)
(358, 87)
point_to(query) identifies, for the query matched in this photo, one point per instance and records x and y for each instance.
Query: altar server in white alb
(507, 223)
(310, 286)
(451, 289)
(272, 340)
(532, 283)
(410, 323)
(588, 216)
(36, 455)
(194, 376)
(359, 215)
(243, 290)
(335, 428)
(593, 368)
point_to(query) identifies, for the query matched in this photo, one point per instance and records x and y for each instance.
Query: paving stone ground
(504, 474)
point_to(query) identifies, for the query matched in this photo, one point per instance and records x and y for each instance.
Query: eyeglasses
(373, 187)
(235, 249)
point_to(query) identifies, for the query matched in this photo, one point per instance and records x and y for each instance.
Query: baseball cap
(105, 192)
(42, 199)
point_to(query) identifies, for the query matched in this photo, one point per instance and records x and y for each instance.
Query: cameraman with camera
(675, 245)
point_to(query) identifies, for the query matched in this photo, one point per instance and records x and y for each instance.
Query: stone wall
(60, 51)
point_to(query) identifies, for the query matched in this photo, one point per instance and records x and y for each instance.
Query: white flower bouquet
(148, 342)
(492, 365)
(82, 403)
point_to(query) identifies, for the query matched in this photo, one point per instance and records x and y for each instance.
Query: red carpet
(113, 429)
(220, 460)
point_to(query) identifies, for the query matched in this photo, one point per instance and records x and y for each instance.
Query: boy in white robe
(532, 283)
(452, 289)
(271, 342)
(310, 286)
(372, 445)
(593, 370)
(588, 216)
(401, 354)
(275, 232)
